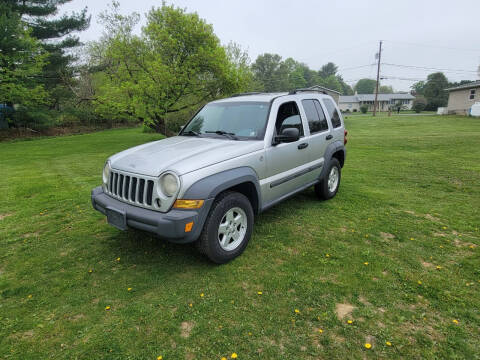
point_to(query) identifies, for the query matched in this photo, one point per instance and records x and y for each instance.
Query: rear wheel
(327, 188)
(228, 228)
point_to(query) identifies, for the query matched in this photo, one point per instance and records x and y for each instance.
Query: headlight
(169, 184)
(106, 172)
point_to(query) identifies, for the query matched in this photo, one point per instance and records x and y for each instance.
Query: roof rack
(247, 93)
(296, 91)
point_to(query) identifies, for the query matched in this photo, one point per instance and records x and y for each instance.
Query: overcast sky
(424, 33)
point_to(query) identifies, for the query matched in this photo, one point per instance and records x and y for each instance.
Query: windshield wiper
(190, 133)
(224, 133)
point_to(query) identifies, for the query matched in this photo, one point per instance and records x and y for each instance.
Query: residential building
(461, 98)
(352, 103)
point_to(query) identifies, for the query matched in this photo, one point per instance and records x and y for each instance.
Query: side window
(288, 116)
(472, 94)
(315, 116)
(332, 111)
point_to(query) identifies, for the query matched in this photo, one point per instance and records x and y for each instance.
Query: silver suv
(234, 159)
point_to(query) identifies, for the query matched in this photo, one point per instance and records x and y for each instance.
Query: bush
(419, 104)
(354, 110)
(364, 109)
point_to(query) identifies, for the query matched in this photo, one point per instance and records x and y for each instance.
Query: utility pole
(378, 79)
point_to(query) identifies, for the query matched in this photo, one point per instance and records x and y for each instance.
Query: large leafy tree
(434, 91)
(21, 62)
(271, 72)
(56, 35)
(176, 63)
(365, 86)
(329, 69)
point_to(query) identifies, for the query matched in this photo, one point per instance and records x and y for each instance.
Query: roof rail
(296, 91)
(246, 93)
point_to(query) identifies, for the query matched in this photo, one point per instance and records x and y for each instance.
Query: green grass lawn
(394, 257)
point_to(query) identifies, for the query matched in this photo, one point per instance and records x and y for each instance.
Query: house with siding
(461, 98)
(352, 103)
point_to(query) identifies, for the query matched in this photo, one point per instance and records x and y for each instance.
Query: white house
(352, 103)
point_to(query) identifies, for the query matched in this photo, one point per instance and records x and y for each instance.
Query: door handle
(302, 146)
(329, 137)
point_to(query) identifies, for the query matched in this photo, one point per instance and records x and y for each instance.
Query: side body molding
(211, 186)
(329, 151)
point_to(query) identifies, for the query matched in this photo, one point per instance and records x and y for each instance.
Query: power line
(433, 46)
(431, 68)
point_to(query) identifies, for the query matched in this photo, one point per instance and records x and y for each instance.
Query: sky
(416, 34)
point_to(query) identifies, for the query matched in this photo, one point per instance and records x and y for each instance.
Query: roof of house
(473, 84)
(324, 88)
(371, 97)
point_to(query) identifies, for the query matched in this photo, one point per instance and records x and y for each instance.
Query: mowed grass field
(393, 260)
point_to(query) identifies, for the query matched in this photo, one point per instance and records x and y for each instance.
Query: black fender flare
(329, 151)
(210, 186)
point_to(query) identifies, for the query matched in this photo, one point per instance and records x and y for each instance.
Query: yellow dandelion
(234, 355)
(368, 346)
(366, 235)
(444, 227)
(327, 255)
(455, 321)
(118, 259)
(190, 304)
(350, 321)
(365, 263)
(129, 289)
(388, 343)
(320, 331)
(441, 246)
(412, 238)
(249, 333)
(30, 296)
(107, 307)
(259, 292)
(419, 282)
(202, 295)
(438, 267)
(159, 357)
(223, 358)
(90, 271)
(471, 246)
(297, 311)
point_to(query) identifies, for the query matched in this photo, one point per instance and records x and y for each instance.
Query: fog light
(189, 226)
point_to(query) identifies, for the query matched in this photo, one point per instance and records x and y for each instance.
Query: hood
(180, 154)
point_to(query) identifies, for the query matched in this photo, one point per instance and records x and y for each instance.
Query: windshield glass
(244, 120)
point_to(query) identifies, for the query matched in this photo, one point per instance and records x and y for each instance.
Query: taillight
(345, 133)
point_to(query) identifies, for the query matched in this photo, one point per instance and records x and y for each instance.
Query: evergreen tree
(56, 36)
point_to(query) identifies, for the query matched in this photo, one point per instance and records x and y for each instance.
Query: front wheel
(227, 229)
(327, 188)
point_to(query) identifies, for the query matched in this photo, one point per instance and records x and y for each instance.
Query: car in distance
(234, 159)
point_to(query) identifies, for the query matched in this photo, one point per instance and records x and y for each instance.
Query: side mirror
(288, 135)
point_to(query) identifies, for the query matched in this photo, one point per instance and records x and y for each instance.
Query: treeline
(156, 77)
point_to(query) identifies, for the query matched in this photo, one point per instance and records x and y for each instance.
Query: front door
(286, 162)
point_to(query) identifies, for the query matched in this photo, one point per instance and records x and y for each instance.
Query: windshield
(238, 120)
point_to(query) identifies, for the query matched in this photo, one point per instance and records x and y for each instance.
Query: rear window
(315, 116)
(333, 112)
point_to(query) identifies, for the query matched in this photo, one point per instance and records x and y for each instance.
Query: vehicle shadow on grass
(139, 247)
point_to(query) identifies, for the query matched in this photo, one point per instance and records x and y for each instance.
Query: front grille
(132, 189)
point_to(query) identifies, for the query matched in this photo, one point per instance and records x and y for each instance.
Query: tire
(224, 239)
(322, 189)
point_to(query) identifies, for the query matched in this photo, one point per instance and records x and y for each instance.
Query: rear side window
(333, 112)
(315, 116)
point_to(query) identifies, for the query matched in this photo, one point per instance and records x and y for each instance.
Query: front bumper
(169, 226)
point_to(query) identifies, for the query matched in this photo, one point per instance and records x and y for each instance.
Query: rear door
(335, 119)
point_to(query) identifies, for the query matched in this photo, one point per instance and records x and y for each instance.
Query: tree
(21, 63)
(176, 63)
(271, 72)
(434, 91)
(55, 35)
(329, 69)
(384, 89)
(418, 87)
(346, 89)
(419, 104)
(365, 86)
